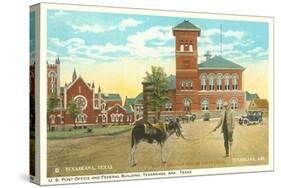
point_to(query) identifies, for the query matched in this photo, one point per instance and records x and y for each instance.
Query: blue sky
(98, 44)
(84, 34)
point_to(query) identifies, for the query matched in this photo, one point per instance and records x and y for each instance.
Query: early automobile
(252, 117)
(188, 117)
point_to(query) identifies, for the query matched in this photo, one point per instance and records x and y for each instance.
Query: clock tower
(187, 76)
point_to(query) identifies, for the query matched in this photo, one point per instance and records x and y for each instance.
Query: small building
(250, 97)
(259, 105)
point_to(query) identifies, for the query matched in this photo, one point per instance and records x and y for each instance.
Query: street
(110, 154)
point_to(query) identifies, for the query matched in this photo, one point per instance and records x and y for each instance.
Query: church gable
(79, 86)
(116, 108)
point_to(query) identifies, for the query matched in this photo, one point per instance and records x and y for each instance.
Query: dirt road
(110, 154)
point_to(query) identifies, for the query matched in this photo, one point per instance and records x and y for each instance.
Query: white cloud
(210, 32)
(98, 28)
(256, 50)
(228, 33)
(162, 33)
(69, 42)
(264, 53)
(136, 47)
(235, 34)
(129, 23)
(137, 43)
(60, 13)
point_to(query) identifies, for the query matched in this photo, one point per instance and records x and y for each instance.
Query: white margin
(194, 172)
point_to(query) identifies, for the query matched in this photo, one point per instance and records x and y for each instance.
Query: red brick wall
(118, 110)
(80, 88)
(212, 97)
(182, 36)
(110, 104)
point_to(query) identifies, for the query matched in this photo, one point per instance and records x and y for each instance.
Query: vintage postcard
(122, 94)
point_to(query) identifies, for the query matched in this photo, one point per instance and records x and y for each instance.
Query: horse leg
(162, 153)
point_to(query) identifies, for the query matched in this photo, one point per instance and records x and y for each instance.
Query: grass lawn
(95, 131)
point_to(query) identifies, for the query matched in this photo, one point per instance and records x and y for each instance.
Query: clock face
(81, 102)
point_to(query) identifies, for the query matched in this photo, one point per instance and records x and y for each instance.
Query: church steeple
(74, 75)
(58, 60)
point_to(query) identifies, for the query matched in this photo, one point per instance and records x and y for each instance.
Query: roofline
(181, 29)
(120, 99)
(176, 29)
(115, 106)
(208, 68)
(72, 83)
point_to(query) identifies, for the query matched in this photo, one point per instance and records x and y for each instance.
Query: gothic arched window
(234, 104)
(52, 75)
(219, 104)
(234, 82)
(205, 105)
(203, 82)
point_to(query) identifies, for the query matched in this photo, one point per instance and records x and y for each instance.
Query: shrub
(89, 130)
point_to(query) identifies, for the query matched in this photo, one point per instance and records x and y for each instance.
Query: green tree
(73, 111)
(52, 103)
(159, 92)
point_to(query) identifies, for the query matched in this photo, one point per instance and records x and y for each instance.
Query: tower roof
(219, 63)
(186, 26)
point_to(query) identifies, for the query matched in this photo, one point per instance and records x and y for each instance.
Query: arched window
(211, 82)
(234, 82)
(234, 104)
(187, 85)
(112, 116)
(226, 82)
(103, 106)
(52, 75)
(182, 47)
(190, 48)
(191, 85)
(121, 116)
(203, 82)
(103, 118)
(205, 105)
(52, 119)
(219, 104)
(219, 81)
(183, 85)
(168, 106)
(81, 118)
(187, 105)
